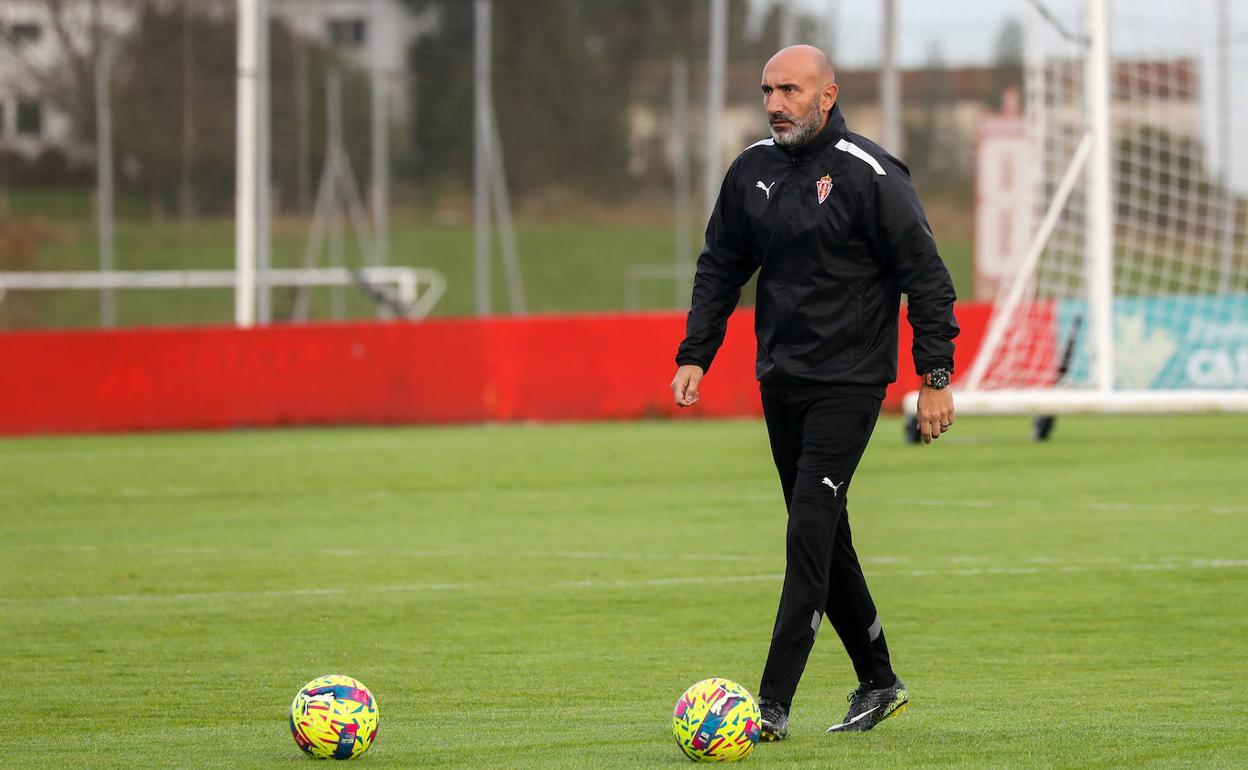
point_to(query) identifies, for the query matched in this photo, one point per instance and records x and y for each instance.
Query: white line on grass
(1193, 564)
(444, 553)
(963, 564)
(866, 499)
(1091, 505)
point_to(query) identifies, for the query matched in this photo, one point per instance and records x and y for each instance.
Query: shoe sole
(767, 736)
(898, 708)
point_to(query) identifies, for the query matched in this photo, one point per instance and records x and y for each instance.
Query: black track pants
(817, 439)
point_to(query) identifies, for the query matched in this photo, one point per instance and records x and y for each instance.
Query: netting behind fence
(1179, 224)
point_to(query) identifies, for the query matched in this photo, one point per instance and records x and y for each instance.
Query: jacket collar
(833, 131)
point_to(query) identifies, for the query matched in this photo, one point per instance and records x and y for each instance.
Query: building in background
(45, 45)
(375, 34)
(45, 51)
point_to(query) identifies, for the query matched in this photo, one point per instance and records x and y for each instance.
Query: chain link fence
(596, 145)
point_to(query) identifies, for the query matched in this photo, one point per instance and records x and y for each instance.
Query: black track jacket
(838, 234)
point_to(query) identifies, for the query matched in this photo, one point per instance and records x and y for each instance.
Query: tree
(173, 116)
(174, 92)
(1007, 60)
(931, 157)
(566, 75)
(82, 32)
(559, 117)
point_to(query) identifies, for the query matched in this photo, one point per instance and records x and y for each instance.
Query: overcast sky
(966, 32)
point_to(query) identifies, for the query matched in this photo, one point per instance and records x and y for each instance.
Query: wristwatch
(937, 379)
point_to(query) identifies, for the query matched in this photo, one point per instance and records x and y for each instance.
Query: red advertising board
(584, 367)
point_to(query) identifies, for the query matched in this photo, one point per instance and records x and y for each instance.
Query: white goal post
(1132, 296)
(416, 290)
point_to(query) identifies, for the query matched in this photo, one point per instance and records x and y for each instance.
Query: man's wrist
(937, 378)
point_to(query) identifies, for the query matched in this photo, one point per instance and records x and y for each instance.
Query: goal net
(1133, 294)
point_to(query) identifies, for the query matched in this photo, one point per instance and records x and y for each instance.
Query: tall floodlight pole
(264, 293)
(716, 64)
(788, 24)
(1100, 238)
(333, 137)
(381, 145)
(890, 82)
(1226, 243)
(104, 169)
(245, 213)
(680, 176)
(481, 154)
(828, 25)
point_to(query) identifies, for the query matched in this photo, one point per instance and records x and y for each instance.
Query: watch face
(938, 378)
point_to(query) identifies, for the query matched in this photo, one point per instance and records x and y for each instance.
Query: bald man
(833, 226)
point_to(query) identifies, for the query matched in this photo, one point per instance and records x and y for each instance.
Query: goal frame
(1091, 162)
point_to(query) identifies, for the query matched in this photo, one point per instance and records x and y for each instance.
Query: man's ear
(827, 97)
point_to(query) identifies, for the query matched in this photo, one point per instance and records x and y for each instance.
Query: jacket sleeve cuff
(687, 360)
(926, 365)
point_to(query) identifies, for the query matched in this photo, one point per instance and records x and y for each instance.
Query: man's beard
(803, 128)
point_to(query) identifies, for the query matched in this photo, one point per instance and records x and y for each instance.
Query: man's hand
(935, 412)
(685, 384)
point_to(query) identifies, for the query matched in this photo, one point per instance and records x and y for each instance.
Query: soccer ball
(716, 720)
(334, 717)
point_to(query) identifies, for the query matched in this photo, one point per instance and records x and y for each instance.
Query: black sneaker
(867, 707)
(775, 720)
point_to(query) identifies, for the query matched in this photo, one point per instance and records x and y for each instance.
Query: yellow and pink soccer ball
(716, 720)
(334, 717)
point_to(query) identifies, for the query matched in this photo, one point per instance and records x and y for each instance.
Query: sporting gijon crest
(824, 186)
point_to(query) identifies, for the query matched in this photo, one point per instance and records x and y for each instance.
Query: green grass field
(539, 596)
